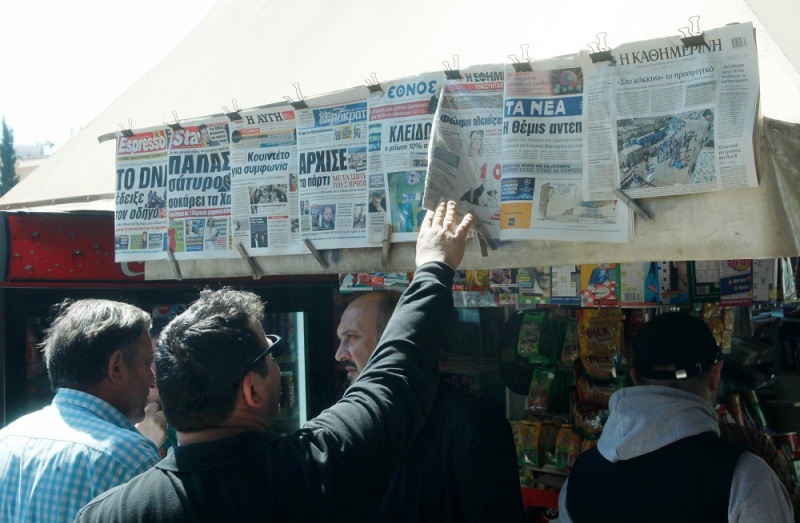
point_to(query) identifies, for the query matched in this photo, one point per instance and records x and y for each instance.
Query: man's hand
(440, 239)
(154, 424)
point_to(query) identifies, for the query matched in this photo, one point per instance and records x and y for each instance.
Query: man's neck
(212, 434)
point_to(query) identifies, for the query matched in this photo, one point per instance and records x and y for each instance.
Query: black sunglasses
(276, 349)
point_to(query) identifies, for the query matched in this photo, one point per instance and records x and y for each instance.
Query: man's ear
(116, 366)
(252, 396)
(715, 375)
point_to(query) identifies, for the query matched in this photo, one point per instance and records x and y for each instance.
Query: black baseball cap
(674, 339)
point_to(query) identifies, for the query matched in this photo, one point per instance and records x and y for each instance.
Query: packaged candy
(571, 349)
(526, 439)
(600, 336)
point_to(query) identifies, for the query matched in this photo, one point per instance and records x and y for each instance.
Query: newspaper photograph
(465, 160)
(265, 207)
(667, 119)
(543, 170)
(332, 166)
(140, 217)
(400, 123)
(198, 184)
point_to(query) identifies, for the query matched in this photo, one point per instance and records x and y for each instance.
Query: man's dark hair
(84, 335)
(204, 353)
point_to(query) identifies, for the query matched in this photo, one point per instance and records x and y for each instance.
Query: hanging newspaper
(265, 208)
(543, 169)
(400, 121)
(666, 119)
(198, 184)
(332, 150)
(140, 220)
(465, 160)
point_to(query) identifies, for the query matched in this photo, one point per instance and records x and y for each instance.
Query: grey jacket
(645, 418)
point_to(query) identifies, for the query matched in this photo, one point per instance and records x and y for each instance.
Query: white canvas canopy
(254, 52)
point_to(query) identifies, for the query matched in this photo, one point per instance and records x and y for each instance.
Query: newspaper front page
(543, 169)
(666, 119)
(465, 160)
(332, 166)
(198, 184)
(400, 122)
(265, 206)
(140, 218)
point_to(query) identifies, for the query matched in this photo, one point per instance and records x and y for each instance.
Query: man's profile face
(358, 335)
(139, 378)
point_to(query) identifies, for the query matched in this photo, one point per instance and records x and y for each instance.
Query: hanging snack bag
(551, 342)
(564, 447)
(530, 339)
(600, 336)
(526, 439)
(595, 394)
(587, 423)
(571, 349)
(541, 390)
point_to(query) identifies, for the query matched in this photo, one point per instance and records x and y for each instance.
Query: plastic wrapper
(588, 423)
(564, 447)
(546, 394)
(720, 320)
(595, 394)
(571, 349)
(551, 343)
(600, 335)
(541, 391)
(530, 332)
(526, 439)
(541, 337)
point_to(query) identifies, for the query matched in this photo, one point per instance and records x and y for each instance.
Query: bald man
(462, 465)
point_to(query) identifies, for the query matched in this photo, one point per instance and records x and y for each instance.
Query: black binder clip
(600, 52)
(372, 83)
(233, 115)
(127, 131)
(692, 36)
(176, 126)
(452, 73)
(522, 65)
(300, 103)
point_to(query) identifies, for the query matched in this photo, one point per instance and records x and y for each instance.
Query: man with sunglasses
(660, 457)
(220, 388)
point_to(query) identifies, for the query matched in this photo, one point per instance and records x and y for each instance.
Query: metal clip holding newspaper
(631, 203)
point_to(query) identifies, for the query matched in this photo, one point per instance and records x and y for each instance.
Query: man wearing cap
(660, 457)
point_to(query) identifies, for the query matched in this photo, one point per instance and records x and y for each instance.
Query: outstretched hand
(440, 239)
